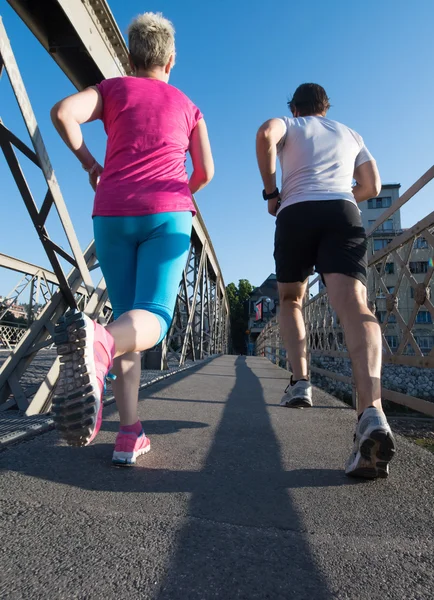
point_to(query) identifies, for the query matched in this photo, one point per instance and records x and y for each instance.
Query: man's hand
(95, 175)
(273, 206)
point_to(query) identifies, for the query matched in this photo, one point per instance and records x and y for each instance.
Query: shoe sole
(77, 400)
(128, 459)
(298, 403)
(375, 453)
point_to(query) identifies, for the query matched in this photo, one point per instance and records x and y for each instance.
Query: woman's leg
(148, 269)
(161, 259)
(116, 244)
(127, 369)
(85, 348)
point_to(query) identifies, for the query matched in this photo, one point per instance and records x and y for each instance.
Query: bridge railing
(400, 287)
(11, 335)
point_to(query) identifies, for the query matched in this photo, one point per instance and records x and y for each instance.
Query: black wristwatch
(270, 196)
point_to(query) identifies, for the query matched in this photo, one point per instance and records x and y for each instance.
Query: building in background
(373, 209)
(390, 273)
(9, 307)
(261, 307)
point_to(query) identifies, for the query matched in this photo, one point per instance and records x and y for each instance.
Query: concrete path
(239, 498)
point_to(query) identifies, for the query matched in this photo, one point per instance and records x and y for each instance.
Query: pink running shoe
(128, 446)
(86, 351)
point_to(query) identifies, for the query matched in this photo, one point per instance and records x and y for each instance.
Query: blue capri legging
(142, 259)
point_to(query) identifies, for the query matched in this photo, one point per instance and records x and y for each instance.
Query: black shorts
(325, 235)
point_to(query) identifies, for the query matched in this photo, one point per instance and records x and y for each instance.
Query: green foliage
(237, 297)
(425, 443)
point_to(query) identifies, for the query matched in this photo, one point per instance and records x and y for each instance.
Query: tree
(237, 298)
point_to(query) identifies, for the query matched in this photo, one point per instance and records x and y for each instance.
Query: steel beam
(80, 35)
(21, 266)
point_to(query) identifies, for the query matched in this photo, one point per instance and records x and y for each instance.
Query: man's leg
(374, 446)
(298, 394)
(295, 249)
(292, 328)
(362, 334)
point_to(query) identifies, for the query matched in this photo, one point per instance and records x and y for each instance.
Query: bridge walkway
(239, 498)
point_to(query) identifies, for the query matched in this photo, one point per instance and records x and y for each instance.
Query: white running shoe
(298, 395)
(374, 446)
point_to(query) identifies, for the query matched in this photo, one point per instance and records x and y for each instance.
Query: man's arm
(368, 182)
(267, 138)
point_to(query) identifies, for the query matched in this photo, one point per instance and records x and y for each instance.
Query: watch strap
(270, 196)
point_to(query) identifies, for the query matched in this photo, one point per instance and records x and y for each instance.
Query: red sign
(259, 307)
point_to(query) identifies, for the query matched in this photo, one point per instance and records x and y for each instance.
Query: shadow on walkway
(244, 539)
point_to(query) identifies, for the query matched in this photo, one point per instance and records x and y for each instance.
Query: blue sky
(240, 62)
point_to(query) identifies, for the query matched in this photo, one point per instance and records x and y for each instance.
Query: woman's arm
(67, 116)
(201, 157)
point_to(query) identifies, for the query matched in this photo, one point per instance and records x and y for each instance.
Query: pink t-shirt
(148, 124)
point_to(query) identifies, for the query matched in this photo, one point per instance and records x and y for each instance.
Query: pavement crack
(243, 526)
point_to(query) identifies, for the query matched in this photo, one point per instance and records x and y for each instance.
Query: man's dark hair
(309, 99)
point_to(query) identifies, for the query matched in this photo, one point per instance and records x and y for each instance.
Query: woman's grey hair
(151, 40)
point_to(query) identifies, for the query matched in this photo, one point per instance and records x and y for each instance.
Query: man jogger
(319, 226)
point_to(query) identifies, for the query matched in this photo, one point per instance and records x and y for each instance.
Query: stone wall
(413, 381)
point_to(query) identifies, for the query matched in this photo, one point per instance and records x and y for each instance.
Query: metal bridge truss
(200, 325)
(38, 286)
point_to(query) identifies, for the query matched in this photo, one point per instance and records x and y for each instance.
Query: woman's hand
(95, 175)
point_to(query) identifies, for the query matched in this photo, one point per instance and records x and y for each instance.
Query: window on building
(425, 342)
(380, 244)
(409, 350)
(411, 293)
(423, 316)
(381, 315)
(419, 266)
(380, 202)
(380, 293)
(420, 243)
(386, 226)
(390, 289)
(390, 268)
(392, 340)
